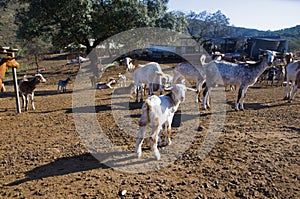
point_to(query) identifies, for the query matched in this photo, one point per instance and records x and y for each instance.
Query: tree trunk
(36, 58)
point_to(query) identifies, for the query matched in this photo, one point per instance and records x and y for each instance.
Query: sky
(257, 14)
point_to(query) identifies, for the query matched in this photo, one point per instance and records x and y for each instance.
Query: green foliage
(207, 24)
(64, 22)
(291, 34)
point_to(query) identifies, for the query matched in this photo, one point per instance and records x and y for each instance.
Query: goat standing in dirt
(27, 88)
(62, 85)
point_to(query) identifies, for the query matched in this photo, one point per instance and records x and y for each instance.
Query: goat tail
(145, 118)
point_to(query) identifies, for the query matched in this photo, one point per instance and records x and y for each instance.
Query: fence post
(15, 79)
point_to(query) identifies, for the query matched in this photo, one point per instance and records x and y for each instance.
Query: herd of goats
(158, 111)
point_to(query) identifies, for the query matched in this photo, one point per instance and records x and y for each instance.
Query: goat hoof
(290, 101)
(138, 155)
(157, 155)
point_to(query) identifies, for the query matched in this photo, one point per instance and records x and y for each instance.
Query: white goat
(295, 87)
(27, 88)
(62, 85)
(243, 75)
(188, 71)
(121, 80)
(159, 110)
(291, 73)
(144, 74)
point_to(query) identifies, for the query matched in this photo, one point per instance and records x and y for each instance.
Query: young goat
(243, 75)
(27, 88)
(291, 73)
(159, 110)
(121, 80)
(144, 74)
(188, 71)
(62, 85)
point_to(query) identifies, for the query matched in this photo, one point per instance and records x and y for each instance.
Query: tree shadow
(80, 163)
(62, 166)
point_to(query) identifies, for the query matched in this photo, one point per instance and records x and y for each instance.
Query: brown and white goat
(27, 88)
(157, 111)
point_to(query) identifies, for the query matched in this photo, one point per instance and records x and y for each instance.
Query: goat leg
(139, 142)
(32, 101)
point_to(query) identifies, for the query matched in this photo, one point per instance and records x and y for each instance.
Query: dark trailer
(254, 45)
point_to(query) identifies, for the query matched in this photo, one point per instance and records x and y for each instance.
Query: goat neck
(260, 66)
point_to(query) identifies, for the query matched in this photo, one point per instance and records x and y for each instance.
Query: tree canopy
(206, 25)
(64, 22)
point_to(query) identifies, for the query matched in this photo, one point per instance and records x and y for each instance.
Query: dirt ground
(42, 155)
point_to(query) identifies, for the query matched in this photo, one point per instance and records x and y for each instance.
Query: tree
(206, 25)
(67, 22)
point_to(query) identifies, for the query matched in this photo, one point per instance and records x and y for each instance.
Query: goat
(295, 87)
(188, 71)
(244, 75)
(291, 73)
(27, 88)
(166, 81)
(6, 61)
(62, 85)
(280, 75)
(105, 85)
(121, 80)
(159, 110)
(149, 73)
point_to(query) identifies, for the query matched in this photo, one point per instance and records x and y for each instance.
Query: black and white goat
(157, 111)
(105, 85)
(27, 88)
(243, 75)
(62, 85)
